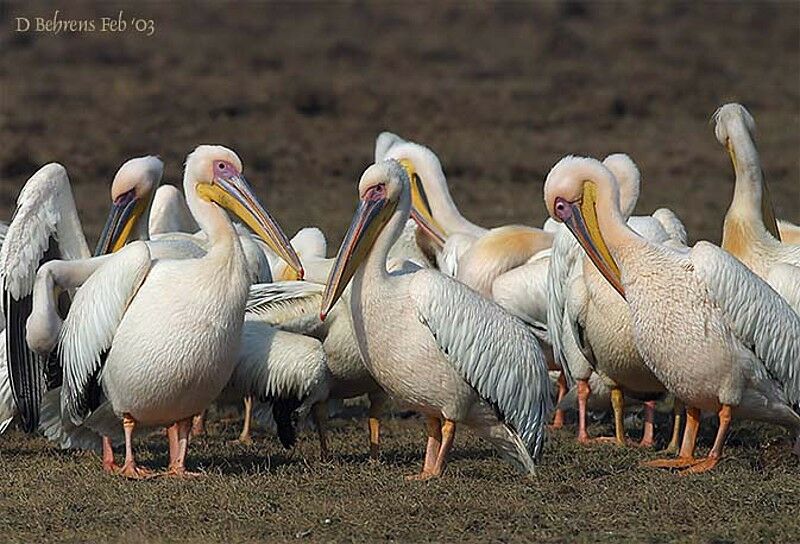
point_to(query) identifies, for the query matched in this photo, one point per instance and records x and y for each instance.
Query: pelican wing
(275, 364)
(565, 256)
(522, 292)
(45, 226)
(760, 319)
(785, 279)
(291, 306)
(494, 352)
(7, 406)
(91, 324)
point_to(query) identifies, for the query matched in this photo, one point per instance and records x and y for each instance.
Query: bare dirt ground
(501, 92)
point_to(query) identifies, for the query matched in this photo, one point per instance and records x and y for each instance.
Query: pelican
(750, 232)
(474, 255)
(155, 341)
(45, 227)
(590, 324)
(433, 343)
(715, 334)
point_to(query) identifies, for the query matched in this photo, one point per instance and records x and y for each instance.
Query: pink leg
(434, 430)
(172, 436)
(583, 395)
(108, 456)
(178, 468)
(558, 419)
(649, 416)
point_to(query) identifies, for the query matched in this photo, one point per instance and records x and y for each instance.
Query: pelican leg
(108, 456)
(244, 437)
(130, 469)
(686, 456)
(376, 404)
(618, 405)
(199, 424)
(677, 415)
(558, 419)
(320, 415)
(715, 454)
(434, 445)
(178, 467)
(649, 417)
(448, 436)
(172, 438)
(584, 390)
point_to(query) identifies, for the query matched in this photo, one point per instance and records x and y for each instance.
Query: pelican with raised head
(431, 342)
(751, 232)
(715, 334)
(154, 341)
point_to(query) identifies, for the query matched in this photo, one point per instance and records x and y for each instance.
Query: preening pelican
(715, 334)
(750, 232)
(474, 255)
(590, 324)
(431, 342)
(156, 340)
(45, 227)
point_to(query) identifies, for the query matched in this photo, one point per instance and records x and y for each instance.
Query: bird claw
(421, 477)
(702, 465)
(134, 472)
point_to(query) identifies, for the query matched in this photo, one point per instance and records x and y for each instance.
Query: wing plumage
(759, 318)
(45, 226)
(169, 212)
(494, 352)
(91, 324)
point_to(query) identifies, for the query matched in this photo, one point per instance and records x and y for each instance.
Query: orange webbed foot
(703, 465)
(679, 462)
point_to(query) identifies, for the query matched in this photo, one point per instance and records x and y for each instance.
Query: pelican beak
(430, 231)
(580, 217)
(125, 213)
(235, 194)
(369, 219)
(419, 200)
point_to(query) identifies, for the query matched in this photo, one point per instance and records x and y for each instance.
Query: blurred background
(500, 91)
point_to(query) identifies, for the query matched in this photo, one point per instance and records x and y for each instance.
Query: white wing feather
(566, 254)
(91, 324)
(760, 319)
(494, 352)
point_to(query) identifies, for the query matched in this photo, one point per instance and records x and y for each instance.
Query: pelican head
(628, 180)
(726, 117)
(131, 194)
(214, 174)
(379, 192)
(571, 194)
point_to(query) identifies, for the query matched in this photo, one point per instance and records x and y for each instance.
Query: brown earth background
(500, 91)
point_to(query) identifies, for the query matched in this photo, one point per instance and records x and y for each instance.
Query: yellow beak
(123, 217)
(368, 221)
(583, 224)
(234, 194)
(419, 200)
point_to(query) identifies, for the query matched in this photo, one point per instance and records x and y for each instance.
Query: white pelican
(474, 255)
(45, 227)
(750, 232)
(717, 336)
(433, 343)
(590, 324)
(156, 340)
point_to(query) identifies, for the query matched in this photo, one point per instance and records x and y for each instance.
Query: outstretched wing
(760, 319)
(91, 324)
(45, 226)
(494, 352)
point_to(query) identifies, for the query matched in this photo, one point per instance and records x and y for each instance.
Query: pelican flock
(195, 296)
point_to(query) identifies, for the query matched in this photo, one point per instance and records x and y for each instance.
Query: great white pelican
(715, 334)
(431, 342)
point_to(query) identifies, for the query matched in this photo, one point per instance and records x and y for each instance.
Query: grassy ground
(258, 492)
(501, 91)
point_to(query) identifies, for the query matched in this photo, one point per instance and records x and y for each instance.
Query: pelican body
(159, 338)
(434, 344)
